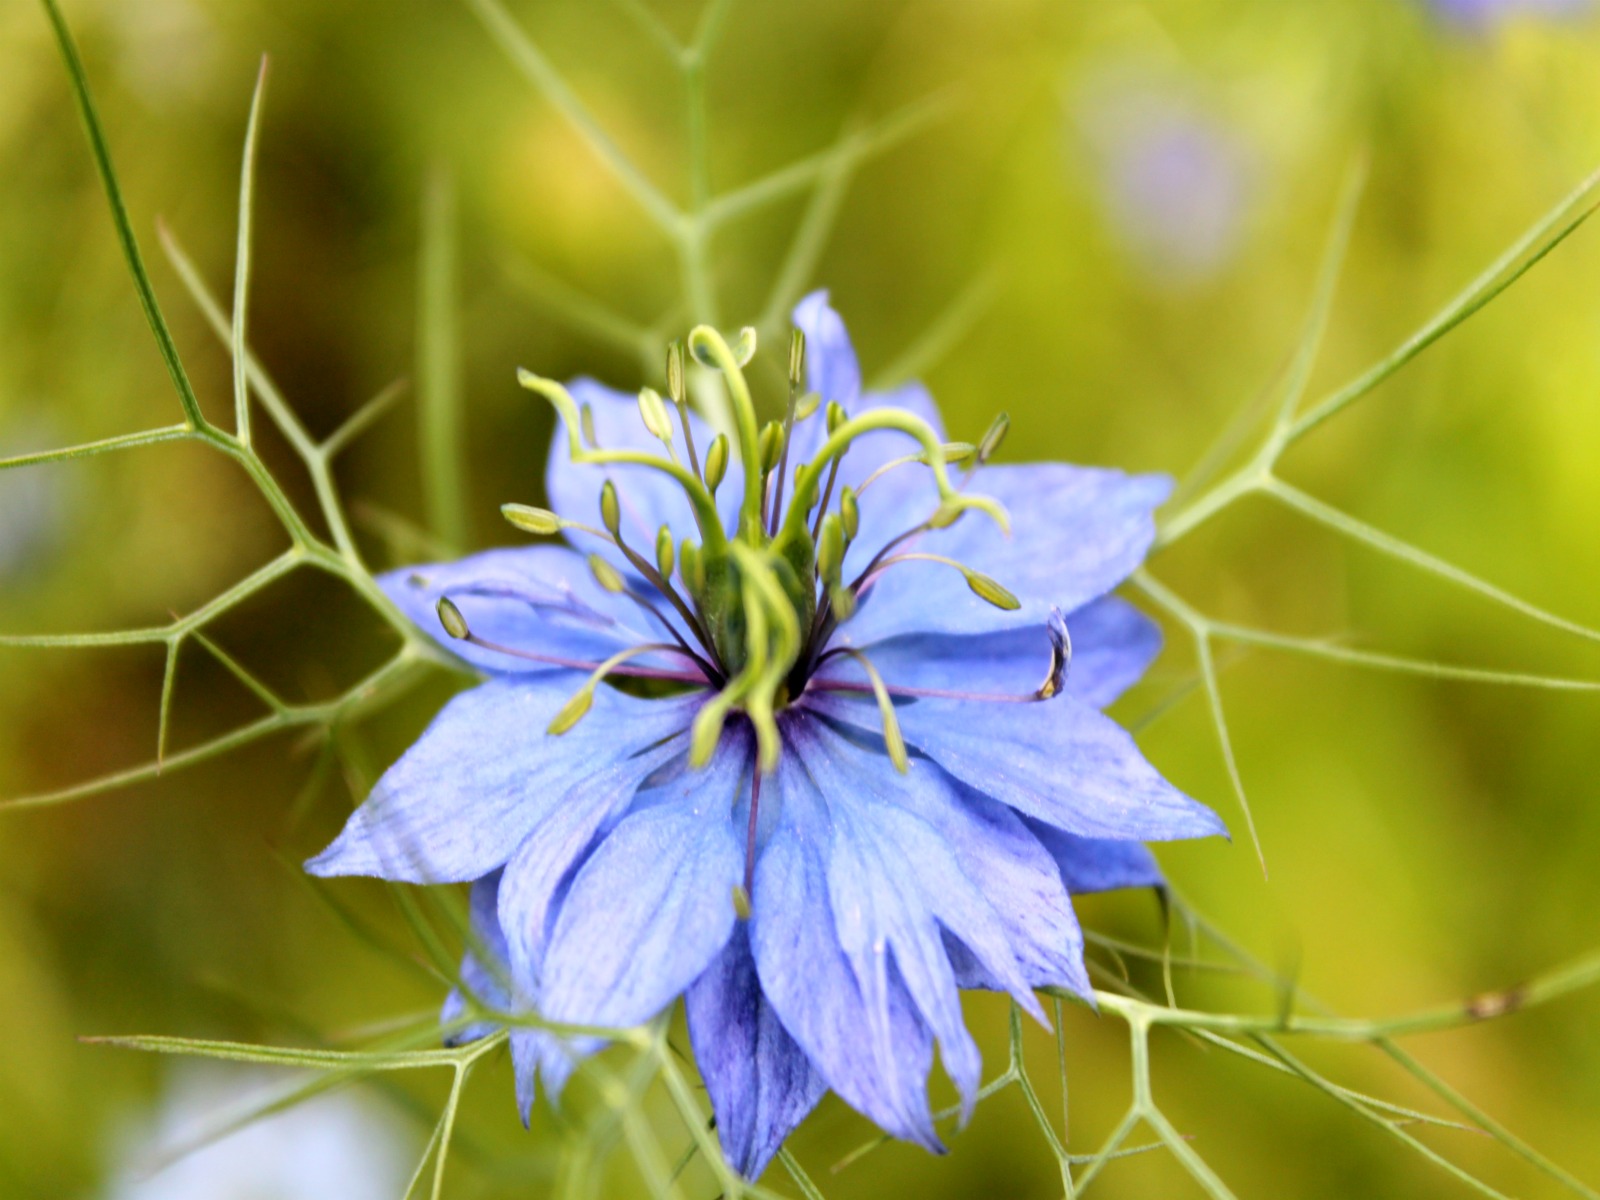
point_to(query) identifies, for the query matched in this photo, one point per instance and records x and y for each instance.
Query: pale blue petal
(1112, 645)
(653, 905)
(486, 975)
(483, 775)
(1058, 761)
(1096, 865)
(539, 599)
(760, 1082)
(1077, 532)
(873, 1047)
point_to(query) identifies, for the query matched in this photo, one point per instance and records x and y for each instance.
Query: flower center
(754, 608)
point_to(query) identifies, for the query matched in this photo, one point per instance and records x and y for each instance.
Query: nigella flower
(805, 739)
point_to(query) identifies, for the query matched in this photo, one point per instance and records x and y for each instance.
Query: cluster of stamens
(758, 606)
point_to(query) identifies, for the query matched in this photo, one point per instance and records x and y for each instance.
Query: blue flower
(814, 749)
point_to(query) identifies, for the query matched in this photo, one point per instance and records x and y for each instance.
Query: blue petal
(869, 1044)
(1058, 761)
(1096, 865)
(1077, 532)
(541, 599)
(653, 905)
(953, 857)
(484, 774)
(1112, 645)
(760, 1082)
(485, 975)
(647, 498)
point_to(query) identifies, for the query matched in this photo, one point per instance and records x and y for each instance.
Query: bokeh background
(1114, 221)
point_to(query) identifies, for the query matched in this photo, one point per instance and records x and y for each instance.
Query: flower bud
(717, 461)
(531, 520)
(653, 411)
(664, 552)
(605, 574)
(452, 620)
(610, 510)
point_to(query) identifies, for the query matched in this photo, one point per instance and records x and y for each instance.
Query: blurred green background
(1115, 219)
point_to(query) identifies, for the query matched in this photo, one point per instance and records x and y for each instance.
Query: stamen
(582, 700)
(654, 415)
(984, 587)
(797, 373)
(456, 626)
(892, 739)
(954, 452)
(680, 397)
(531, 520)
(1053, 685)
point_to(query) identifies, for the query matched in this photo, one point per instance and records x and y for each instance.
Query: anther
(1060, 656)
(675, 382)
(996, 434)
(531, 520)
(806, 405)
(830, 551)
(452, 620)
(849, 513)
(664, 552)
(610, 509)
(586, 425)
(653, 412)
(797, 358)
(771, 445)
(691, 567)
(988, 589)
(717, 462)
(606, 575)
(836, 416)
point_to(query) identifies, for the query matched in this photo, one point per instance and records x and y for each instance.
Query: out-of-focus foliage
(1111, 230)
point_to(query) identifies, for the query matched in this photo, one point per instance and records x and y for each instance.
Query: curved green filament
(951, 502)
(705, 509)
(706, 342)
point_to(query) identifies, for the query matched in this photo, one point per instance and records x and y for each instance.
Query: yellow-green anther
(452, 620)
(717, 462)
(664, 552)
(797, 358)
(830, 550)
(992, 439)
(741, 902)
(945, 516)
(606, 575)
(893, 742)
(531, 520)
(690, 567)
(653, 411)
(675, 383)
(986, 588)
(806, 405)
(744, 349)
(573, 711)
(836, 416)
(843, 601)
(610, 509)
(586, 424)
(771, 445)
(850, 513)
